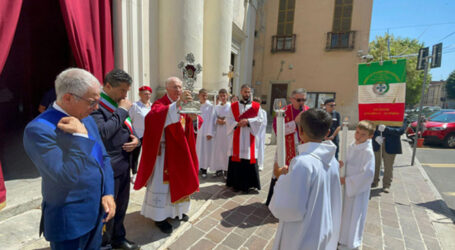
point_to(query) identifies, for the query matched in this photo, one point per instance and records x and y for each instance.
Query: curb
(9, 212)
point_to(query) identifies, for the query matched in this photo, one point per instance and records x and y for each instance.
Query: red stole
(180, 159)
(250, 113)
(289, 139)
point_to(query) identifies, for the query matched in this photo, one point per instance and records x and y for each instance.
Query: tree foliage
(450, 86)
(402, 46)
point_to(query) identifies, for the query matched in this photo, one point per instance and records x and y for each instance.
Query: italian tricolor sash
(250, 113)
(382, 92)
(111, 106)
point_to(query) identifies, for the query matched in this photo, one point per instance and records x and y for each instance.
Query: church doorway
(40, 50)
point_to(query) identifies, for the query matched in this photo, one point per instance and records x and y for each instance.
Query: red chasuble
(289, 138)
(180, 159)
(250, 113)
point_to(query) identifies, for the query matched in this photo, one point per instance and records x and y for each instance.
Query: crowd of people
(92, 143)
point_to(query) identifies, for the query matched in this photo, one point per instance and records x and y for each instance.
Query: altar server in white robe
(261, 137)
(359, 176)
(220, 158)
(204, 142)
(307, 199)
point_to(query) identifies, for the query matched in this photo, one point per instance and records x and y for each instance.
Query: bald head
(174, 87)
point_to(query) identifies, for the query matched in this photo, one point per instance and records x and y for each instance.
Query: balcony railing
(340, 40)
(284, 43)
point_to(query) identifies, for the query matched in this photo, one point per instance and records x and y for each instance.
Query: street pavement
(412, 216)
(439, 164)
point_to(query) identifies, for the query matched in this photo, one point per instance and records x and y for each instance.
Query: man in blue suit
(386, 145)
(114, 124)
(77, 179)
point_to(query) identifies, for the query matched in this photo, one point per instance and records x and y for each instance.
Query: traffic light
(436, 54)
(421, 62)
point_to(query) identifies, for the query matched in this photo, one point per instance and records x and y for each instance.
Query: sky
(429, 21)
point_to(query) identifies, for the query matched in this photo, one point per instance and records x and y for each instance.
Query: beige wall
(314, 68)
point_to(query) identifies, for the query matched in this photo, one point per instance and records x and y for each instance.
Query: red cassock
(2, 189)
(180, 159)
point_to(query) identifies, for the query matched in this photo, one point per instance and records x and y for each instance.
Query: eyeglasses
(92, 103)
(332, 105)
(300, 99)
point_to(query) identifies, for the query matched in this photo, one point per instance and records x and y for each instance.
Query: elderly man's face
(298, 100)
(174, 90)
(83, 106)
(246, 93)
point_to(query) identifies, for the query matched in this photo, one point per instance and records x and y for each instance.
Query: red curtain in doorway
(89, 28)
(9, 15)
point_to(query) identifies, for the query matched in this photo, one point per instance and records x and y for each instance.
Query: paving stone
(373, 229)
(411, 243)
(391, 232)
(216, 235)
(203, 244)
(372, 240)
(187, 239)
(255, 242)
(391, 223)
(394, 243)
(222, 247)
(233, 219)
(230, 205)
(246, 209)
(431, 243)
(234, 240)
(206, 224)
(267, 231)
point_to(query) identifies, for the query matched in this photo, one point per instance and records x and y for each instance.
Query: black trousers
(115, 230)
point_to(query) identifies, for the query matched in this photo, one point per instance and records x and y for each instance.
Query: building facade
(152, 37)
(311, 44)
(436, 94)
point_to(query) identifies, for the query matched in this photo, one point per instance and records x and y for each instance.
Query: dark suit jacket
(76, 172)
(392, 140)
(115, 133)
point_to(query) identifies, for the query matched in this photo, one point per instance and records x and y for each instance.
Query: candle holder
(278, 107)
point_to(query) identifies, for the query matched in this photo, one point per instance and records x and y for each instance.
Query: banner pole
(424, 84)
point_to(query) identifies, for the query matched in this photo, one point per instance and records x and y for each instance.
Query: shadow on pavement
(246, 216)
(375, 192)
(439, 207)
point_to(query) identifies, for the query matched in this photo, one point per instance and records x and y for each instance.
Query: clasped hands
(243, 123)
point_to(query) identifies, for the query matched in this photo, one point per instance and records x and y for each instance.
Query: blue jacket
(76, 173)
(392, 140)
(114, 134)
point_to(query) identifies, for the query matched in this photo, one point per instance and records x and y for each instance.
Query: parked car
(440, 128)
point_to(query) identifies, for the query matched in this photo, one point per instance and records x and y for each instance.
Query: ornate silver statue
(190, 71)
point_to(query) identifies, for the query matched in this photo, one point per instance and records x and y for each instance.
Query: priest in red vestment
(291, 137)
(244, 124)
(169, 164)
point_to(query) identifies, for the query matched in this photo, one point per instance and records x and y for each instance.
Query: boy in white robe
(204, 134)
(359, 176)
(306, 200)
(220, 158)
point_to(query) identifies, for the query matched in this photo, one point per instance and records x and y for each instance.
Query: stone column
(180, 32)
(247, 50)
(132, 42)
(218, 16)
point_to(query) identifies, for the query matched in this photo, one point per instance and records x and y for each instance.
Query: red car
(438, 129)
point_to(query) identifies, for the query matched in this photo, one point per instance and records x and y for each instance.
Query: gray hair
(172, 79)
(75, 81)
(298, 91)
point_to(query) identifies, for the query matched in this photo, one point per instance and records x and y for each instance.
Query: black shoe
(204, 173)
(184, 217)
(374, 185)
(164, 226)
(126, 244)
(219, 173)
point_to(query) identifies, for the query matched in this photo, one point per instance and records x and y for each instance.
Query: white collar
(57, 107)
